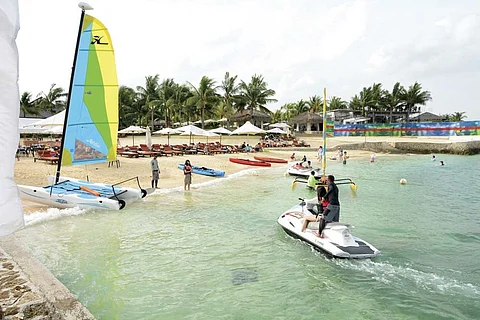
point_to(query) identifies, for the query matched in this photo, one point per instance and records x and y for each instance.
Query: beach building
(256, 117)
(307, 122)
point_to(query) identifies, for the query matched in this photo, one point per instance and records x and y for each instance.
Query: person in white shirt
(155, 172)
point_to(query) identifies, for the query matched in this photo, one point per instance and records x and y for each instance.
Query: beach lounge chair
(145, 151)
(166, 148)
(124, 153)
(45, 155)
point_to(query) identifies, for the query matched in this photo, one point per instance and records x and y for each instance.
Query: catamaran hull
(57, 200)
(130, 195)
(337, 239)
(71, 195)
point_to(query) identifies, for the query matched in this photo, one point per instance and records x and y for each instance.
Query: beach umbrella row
(133, 129)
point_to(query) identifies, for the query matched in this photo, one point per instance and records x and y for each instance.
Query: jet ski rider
(332, 212)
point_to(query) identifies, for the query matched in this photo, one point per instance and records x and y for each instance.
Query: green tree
(166, 94)
(337, 103)
(277, 116)
(315, 103)
(414, 97)
(363, 101)
(457, 116)
(128, 107)
(393, 101)
(54, 100)
(27, 106)
(230, 90)
(302, 106)
(204, 97)
(256, 94)
(147, 98)
(177, 103)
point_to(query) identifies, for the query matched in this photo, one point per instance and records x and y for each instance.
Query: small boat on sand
(269, 159)
(204, 171)
(249, 162)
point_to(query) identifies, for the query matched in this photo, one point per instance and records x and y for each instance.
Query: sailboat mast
(324, 132)
(70, 88)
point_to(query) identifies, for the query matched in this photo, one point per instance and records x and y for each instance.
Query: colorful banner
(428, 129)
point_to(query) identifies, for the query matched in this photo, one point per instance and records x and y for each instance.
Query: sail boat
(90, 126)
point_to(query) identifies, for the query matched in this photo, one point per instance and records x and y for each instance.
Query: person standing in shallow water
(155, 172)
(187, 171)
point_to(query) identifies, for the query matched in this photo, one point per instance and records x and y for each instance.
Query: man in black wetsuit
(332, 212)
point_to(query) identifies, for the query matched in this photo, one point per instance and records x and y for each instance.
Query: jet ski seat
(332, 225)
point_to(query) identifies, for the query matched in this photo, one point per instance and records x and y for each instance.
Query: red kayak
(267, 159)
(251, 162)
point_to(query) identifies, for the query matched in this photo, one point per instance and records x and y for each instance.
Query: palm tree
(166, 91)
(148, 96)
(289, 110)
(223, 110)
(127, 106)
(336, 103)
(54, 100)
(178, 106)
(355, 103)
(315, 103)
(393, 100)
(204, 97)
(256, 94)
(413, 97)
(27, 106)
(365, 100)
(277, 116)
(230, 90)
(301, 106)
(457, 116)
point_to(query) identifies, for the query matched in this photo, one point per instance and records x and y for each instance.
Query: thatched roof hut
(307, 121)
(256, 117)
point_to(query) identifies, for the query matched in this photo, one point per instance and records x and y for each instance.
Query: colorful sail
(11, 215)
(92, 120)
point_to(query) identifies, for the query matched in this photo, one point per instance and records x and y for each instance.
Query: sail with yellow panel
(91, 120)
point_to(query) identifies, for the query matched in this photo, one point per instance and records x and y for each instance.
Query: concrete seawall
(29, 291)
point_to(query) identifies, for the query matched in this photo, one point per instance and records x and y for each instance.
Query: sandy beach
(33, 173)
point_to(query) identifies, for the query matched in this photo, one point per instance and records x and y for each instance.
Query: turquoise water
(218, 252)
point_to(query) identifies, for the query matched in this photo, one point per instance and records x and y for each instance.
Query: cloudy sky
(299, 46)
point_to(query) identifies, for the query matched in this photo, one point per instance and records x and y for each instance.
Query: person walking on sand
(187, 171)
(155, 172)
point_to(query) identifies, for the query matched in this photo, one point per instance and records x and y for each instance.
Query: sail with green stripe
(92, 120)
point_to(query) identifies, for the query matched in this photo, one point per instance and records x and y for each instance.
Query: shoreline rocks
(29, 291)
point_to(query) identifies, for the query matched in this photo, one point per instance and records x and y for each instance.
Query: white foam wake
(390, 274)
(51, 214)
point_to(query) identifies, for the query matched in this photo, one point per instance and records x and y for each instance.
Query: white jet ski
(337, 239)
